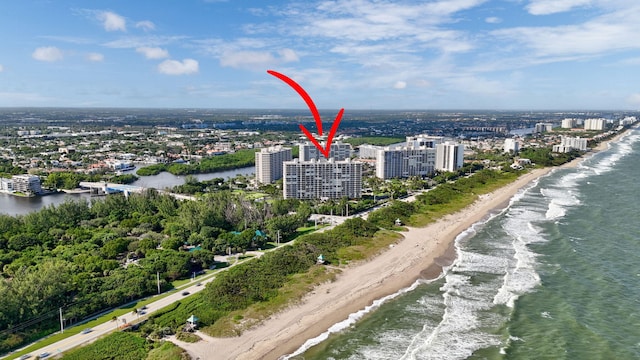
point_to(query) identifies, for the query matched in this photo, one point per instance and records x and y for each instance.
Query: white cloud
(68, 39)
(175, 67)
(546, 7)
(231, 56)
(146, 25)
(470, 83)
(422, 83)
(634, 99)
(130, 42)
(288, 55)
(95, 57)
(47, 53)
(611, 32)
(400, 85)
(374, 21)
(493, 20)
(630, 61)
(247, 59)
(22, 98)
(448, 7)
(112, 21)
(153, 52)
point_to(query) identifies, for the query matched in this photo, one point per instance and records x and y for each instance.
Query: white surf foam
(350, 320)
(457, 335)
(520, 274)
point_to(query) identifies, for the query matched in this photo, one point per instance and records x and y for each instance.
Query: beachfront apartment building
(322, 179)
(339, 151)
(405, 162)
(269, 163)
(449, 156)
(569, 143)
(418, 156)
(628, 120)
(595, 124)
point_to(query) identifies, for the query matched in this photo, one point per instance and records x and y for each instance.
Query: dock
(106, 188)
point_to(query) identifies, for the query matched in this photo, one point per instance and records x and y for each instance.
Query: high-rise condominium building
(569, 123)
(594, 124)
(416, 157)
(419, 141)
(338, 151)
(543, 127)
(569, 143)
(367, 151)
(449, 156)
(405, 162)
(511, 145)
(628, 120)
(269, 163)
(322, 179)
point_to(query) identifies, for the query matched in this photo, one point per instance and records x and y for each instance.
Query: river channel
(14, 205)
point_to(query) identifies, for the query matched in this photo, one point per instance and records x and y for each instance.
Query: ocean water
(556, 275)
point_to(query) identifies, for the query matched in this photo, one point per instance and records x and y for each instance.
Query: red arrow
(314, 111)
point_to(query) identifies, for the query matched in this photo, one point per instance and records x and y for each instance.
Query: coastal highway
(110, 326)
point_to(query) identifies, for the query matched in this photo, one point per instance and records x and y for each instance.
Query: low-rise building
(28, 184)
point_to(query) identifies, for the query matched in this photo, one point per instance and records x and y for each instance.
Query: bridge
(105, 188)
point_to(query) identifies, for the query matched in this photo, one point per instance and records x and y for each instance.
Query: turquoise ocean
(555, 275)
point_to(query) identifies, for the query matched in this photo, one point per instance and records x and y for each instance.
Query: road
(111, 326)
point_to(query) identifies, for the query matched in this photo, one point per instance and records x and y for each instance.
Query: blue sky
(357, 54)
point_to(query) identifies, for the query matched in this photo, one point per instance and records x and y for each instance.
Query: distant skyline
(359, 54)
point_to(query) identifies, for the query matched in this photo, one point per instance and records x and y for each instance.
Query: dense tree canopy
(88, 256)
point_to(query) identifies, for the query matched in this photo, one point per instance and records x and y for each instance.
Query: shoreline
(421, 254)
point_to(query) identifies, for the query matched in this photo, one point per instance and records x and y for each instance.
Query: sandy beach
(420, 254)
